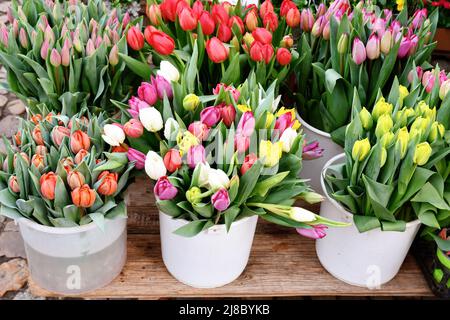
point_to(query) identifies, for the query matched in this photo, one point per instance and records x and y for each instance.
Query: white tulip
(287, 139)
(203, 175)
(151, 119)
(113, 135)
(217, 179)
(168, 71)
(302, 215)
(154, 166)
(171, 129)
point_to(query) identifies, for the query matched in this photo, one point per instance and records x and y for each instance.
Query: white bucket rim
(410, 224)
(59, 230)
(311, 128)
(216, 226)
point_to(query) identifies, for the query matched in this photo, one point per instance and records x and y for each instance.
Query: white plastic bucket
(211, 259)
(77, 259)
(367, 259)
(312, 168)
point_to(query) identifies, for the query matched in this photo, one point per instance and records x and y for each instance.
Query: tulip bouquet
(57, 172)
(64, 53)
(235, 39)
(342, 48)
(395, 166)
(222, 157)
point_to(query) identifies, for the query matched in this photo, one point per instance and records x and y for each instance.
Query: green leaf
(441, 243)
(10, 213)
(25, 206)
(141, 69)
(429, 194)
(61, 196)
(262, 187)
(99, 220)
(72, 213)
(191, 229)
(119, 211)
(230, 215)
(248, 182)
(366, 223)
(62, 223)
(169, 207)
(204, 209)
(7, 199)
(399, 226)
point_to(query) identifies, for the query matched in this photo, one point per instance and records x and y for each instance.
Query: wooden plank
(281, 265)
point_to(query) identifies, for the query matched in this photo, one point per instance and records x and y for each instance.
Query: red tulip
(293, 17)
(224, 33)
(197, 7)
(249, 160)
(228, 114)
(235, 20)
(270, 21)
(286, 5)
(262, 35)
(256, 53)
(160, 41)
(172, 160)
(283, 56)
(83, 197)
(267, 52)
(251, 20)
(135, 38)
(216, 50)
(219, 14)
(48, 185)
(207, 23)
(266, 7)
(187, 19)
(169, 9)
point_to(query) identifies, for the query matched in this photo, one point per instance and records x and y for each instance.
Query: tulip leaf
(10, 212)
(169, 207)
(62, 223)
(26, 207)
(140, 68)
(429, 194)
(262, 187)
(441, 243)
(97, 204)
(118, 211)
(230, 215)
(7, 199)
(248, 182)
(72, 213)
(232, 73)
(282, 221)
(204, 209)
(366, 223)
(99, 220)
(62, 198)
(399, 226)
(191, 229)
(191, 70)
(234, 188)
(124, 179)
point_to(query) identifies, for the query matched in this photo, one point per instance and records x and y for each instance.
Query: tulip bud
(90, 47)
(114, 56)
(384, 125)
(44, 49)
(287, 42)
(195, 155)
(14, 184)
(366, 119)
(380, 108)
(133, 129)
(312, 197)
(37, 136)
(301, 215)
(283, 56)
(249, 160)
(164, 190)
(154, 14)
(83, 197)
(191, 102)
(326, 31)
(361, 150)
(216, 50)
(220, 200)
(148, 93)
(58, 134)
(113, 135)
(210, 116)
(79, 140)
(343, 44)
(293, 17)
(108, 185)
(48, 185)
(270, 152)
(251, 20)
(75, 179)
(23, 39)
(154, 166)
(137, 157)
(168, 71)
(422, 153)
(151, 119)
(171, 128)
(402, 141)
(444, 89)
(172, 160)
(262, 35)
(217, 179)
(80, 156)
(287, 139)
(199, 130)
(383, 157)
(193, 195)
(135, 38)
(387, 139)
(38, 161)
(373, 47)
(358, 51)
(437, 131)
(307, 20)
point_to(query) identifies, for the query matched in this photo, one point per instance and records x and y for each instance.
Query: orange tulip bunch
(58, 172)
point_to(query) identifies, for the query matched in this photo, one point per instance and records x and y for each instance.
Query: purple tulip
(358, 51)
(315, 232)
(312, 151)
(195, 155)
(162, 87)
(414, 39)
(139, 157)
(210, 116)
(164, 190)
(136, 105)
(147, 92)
(405, 45)
(221, 199)
(246, 125)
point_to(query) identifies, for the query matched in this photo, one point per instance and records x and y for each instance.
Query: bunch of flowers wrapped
(395, 169)
(364, 47)
(64, 53)
(57, 172)
(235, 40)
(223, 157)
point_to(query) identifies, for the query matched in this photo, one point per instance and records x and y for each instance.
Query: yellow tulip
(243, 108)
(387, 139)
(422, 153)
(402, 141)
(380, 108)
(270, 117)
(270, 152)
(284, 110)
(185, 141)
(361, 149)
(437, 131)
(384, 125)
(383, 157)
(403, 92)
(366, 119)
(191, 102)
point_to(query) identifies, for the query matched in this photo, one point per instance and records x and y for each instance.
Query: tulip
(147, 92)
(79, 140)
(293, 17)
(444, 89)
(38, 161)
(428, 80)
(126, 20)
(210, 116)
(384, 124)
(256, 51)
(227, 114)
(422, 153)
(262, 35)
(219, 14)
(265, 7)
(270, 21)
(380, 108)
(234, 92)
(301, 215)
(343, 44)
(251, 20)
(241, 143)
(83, 197)
(216, 50)
(160, 41)
(283, 56)
(37, 135)
(221, 200)
(315, 232)
(113, 135)
(185, 140)
(270, 152)
(373, 47)
(137, 157)
(23, 38)
(108, 183)
(366, 119)
(267, 51)
(197, 8)
(285, 6)
(191, 102)
(55, 58)
(358, 51)
(318, 26)
(287, 139)
(326, 31)
(437, 131)
(79, 157)
(405, 46)
(224, 33)
(307, 20)
(59, 133)
(236, 21)
(154, 166)
(187, 19)
(163, 86)
(169, 9)
(151, 119)
(172, 160)
(249, 160)
(136, 105)
(133, 128)
(386, 42)
(199, 129)
(193, 195)
(75, 179)
(48, 185)
(41, 150)
(287, 42)
(195, 155)
(283, 122)
(168, 71)
(154, 14)
(23, 155)
(217, 179)
(246, 125)
(207, 23)
(419, 18)
(14, 184)
(312, 151)
(135, 38)
(164, 190)
(361, 150)
(414, 41)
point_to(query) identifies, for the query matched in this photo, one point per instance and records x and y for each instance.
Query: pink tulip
(147, 92)
(379, 26)
(306, 20)
(428, 79)
(210, 116)
(419, 17)
(65, 53)
(23, 39)
(90, 47)
(44, 49)
(49, 35)
(55, 58)
(373, 47)
(405, 45)
(126, 20)
(283, 122)
(164, 190)
(395, 27)
(358, 51)
(442, 77)
(312, 151)
(199, 129)
(136, 105)
(133, 128)
(387, 14)
(139, 157)
(234, 92)
(414, 39)
(418, 71)
(315, 232)
(163, 87)
(227, 114)
(4, 36)
(195, 155)
(246, 125)
(241, 143)
(221, 199)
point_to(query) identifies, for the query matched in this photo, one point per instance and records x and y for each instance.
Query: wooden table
(282, 264)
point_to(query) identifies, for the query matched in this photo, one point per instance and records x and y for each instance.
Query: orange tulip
(79, 140)
(83, 197)
(14, 184)
(24, 157)
(18, 138)
(38, 161)
(109, 184)
(80, 156)
(59, 133)
(75, 179)
(41, 150)
(121, 148)
(37, 136)
(67, 164)
(36, 118)
(48, 185)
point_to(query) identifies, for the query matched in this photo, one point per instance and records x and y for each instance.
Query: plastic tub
(74, 260)
(211, 259)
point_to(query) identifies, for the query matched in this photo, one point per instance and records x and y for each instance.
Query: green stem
(57, 82)
(158, 136)
(141, 55)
